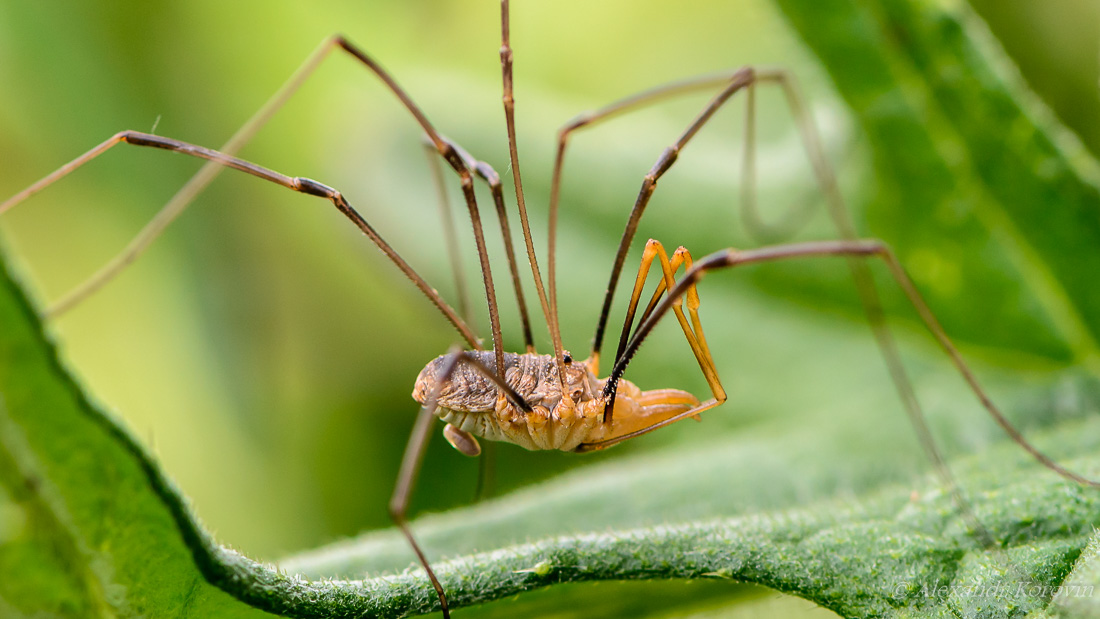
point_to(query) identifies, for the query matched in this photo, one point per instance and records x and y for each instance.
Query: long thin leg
(486, 472)
(592, 119)
(406, 480)
(513, 153)
(740, 80)
(450, 239)
(745, 78)
(208, 172)
(448, 153)
(184, 196)
(486, 172)
(756, 227)
(857, 250)
(487, 458)
(417, 446)
(298, 184)
(693, 331)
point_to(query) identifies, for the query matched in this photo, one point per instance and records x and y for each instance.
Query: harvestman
(552, 401)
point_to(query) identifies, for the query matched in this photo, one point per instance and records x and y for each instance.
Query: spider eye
(577, 394)
(568, 358)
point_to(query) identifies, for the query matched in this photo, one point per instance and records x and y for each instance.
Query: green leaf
(91, 526)
(121, 539)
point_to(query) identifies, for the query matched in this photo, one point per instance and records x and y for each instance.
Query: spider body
(472, 404)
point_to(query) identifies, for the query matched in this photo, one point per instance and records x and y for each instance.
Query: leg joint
(313, 188)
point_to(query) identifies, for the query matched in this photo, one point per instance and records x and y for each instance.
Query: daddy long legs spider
(620, 293)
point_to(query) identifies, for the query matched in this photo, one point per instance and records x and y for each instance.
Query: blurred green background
(266, 351)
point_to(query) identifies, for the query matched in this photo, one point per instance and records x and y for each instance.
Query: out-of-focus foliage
(262, 332)
(262, 336)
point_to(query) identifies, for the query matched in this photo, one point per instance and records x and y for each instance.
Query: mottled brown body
(471, 402)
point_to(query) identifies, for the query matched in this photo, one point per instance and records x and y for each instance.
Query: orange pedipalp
(647, 408)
